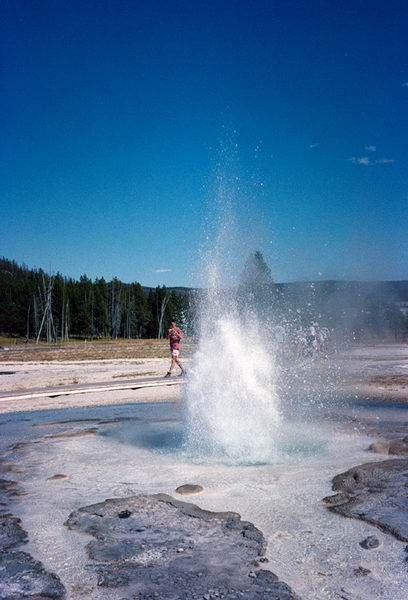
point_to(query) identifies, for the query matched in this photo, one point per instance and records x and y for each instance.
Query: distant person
(322, 337)
(300, 342)
(312, 337)
(317, 338)
(175, 335)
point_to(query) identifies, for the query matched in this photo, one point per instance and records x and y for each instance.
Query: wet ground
(67, 459)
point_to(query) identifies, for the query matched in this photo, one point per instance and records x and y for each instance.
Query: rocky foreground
(149, 547)
(156, 547)
(376, 492)
(21, 576)
(159, 547)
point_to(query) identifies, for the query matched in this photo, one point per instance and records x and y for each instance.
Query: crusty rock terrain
(22, 577)
(159, 547)
(376, 493)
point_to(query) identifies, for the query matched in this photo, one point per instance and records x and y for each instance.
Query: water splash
(231, 400)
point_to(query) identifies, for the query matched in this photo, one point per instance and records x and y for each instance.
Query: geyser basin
(167, 436)
(316, 552)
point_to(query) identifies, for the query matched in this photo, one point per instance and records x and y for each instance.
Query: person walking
(175, 335)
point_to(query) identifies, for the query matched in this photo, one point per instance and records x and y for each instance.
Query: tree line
(36, 305)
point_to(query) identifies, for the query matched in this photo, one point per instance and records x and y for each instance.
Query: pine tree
(100, 308)
(255, 292)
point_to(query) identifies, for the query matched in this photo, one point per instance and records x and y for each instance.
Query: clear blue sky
(120, 118)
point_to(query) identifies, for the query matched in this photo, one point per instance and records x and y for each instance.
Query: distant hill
(391, 290)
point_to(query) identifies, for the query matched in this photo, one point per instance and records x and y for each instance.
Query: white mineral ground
(33, 377)
(314, 551)
(377, 372)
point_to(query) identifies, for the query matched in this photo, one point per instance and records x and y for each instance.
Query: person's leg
(173, 362)
(179, 363)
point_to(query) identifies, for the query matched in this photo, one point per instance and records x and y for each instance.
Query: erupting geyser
(231, 405)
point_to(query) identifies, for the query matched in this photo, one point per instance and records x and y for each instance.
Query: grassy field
(17, 351)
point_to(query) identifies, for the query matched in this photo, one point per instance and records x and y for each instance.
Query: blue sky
(127, 125)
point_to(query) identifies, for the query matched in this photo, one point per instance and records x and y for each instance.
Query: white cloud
(162, 271)
(370, 148)
(365, 160)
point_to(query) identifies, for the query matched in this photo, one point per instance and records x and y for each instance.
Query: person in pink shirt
(175, 335)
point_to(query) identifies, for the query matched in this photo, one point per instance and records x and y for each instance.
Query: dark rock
(58, 476)
(6, 467)
(7, 484)
(266, 576)
(382, 447)
(370, 543)
(108, 577)
(10, 490)
(377, 494)
(396, 446)
(22, 578)
(399, 447)
(11, 532)
(16, 447)
(67, 422)
(90, 420)
(170, 549)
(336, 499)
(72, 434)
(124, 514)
(361, 572)
(189, 488)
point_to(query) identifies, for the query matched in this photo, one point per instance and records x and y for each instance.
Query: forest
(36, 306)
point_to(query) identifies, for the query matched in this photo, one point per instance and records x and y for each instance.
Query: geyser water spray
(231, 405)
(231, 401)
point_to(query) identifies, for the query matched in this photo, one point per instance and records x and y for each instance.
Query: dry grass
(13, 351)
